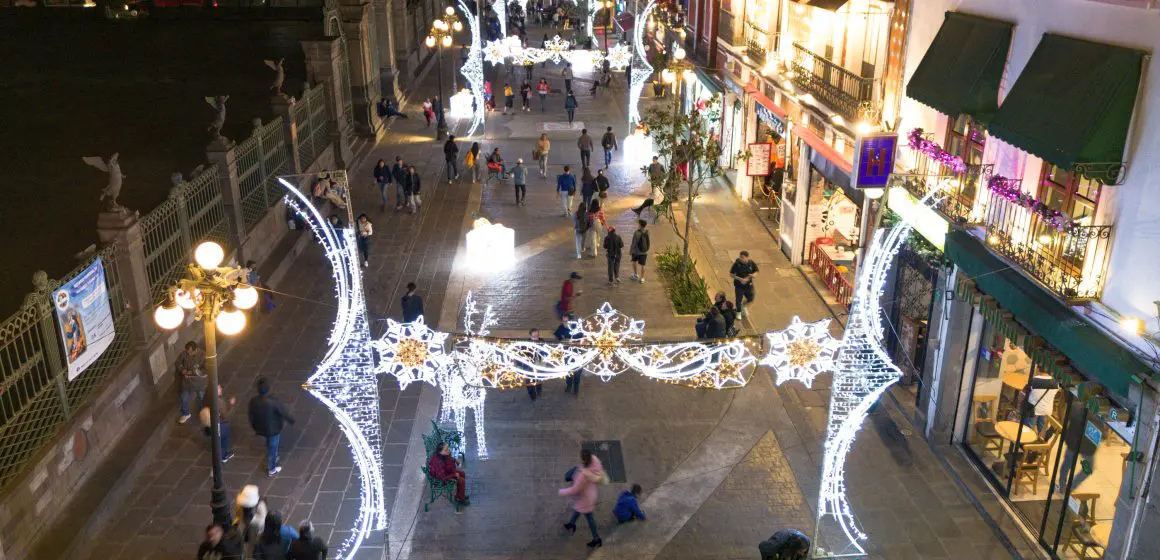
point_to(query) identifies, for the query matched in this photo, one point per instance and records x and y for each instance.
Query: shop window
(1032, 438)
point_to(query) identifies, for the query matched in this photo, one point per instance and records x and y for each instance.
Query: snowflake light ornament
(494, 52)
(801, 351)
(606, 331)
(619, 57)
(411, 352)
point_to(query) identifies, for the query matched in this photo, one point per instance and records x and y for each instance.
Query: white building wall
(1134, 207)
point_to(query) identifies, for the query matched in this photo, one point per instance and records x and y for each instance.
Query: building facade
(1024, 311)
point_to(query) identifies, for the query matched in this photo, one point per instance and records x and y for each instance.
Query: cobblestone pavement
(721, 470)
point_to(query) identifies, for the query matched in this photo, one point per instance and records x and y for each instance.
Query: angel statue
(219, 105)
(279, 75)
(111, 191)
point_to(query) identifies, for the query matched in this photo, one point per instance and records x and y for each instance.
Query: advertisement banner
(759, 160)
(874, 161)
(84, 317)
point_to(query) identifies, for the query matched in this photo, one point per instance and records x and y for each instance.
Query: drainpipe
(1145, 487)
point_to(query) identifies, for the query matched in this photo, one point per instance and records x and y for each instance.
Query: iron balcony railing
(840, 89)
(960, 200)
(1072, 262)
(756, 43)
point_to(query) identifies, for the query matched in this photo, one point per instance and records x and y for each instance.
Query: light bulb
(863, 128)
(682, 34)
(1134, 325)
(446, 40)
(449, 11)
(457, 26)
(668, 76)
(209, 255)
(245, 296)
(231, 320)
(430, 41)
(168, 316)
(186, 299)
(874, 194)
(679, 54)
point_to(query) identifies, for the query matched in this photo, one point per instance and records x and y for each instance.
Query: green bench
(439, 488)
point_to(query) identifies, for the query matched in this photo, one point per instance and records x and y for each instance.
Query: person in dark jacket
(537, 388)
(275, 542)
(602, 184)
(714, 324)
(217, 546)
(627, 508)
(443, 466)
(383, 180)
(307, 546)
(609, 143)
(451, 153)
(722, 303)
(412, 304)
(742, 271)
(267, 415)
(613, 248)
(399, 172)
(587, 187)
(411, 189)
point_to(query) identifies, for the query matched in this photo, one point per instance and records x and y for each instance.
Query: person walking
(275, 542)
(472, 161)
(412, 190)
(596, 226)
(613, 248)
(542, 90)
(442, 466)
(743, 271)
(528, 67)
(656, 175)
(520, 181)
(584, 491)
(580, 227)
(585, 145)
(526, 93)
(638, 250)
(587, 187)
(267, 416)
(543, 146)
(428, 111)
(488, 100)
(602, 184)
(412, 304)
(609, 143)
(508, 97)
(450, 154)
(567, 74)
(217, 546)
(570, 105)
(190, 369)
(566, 186)
(399, 172)
(365, 230)
(536, 388)
(225, 409)
(382, 174)
(308, 546)
(569, 291)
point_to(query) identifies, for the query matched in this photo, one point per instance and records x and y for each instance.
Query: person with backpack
(566, 186)
(267, 416)
(613, 247)
(570, 105)
(471, 160)
(584, 491)
(638, 250)
(608, 142)
(581, 223)
(450, 153)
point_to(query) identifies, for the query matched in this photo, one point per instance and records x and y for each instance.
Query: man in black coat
(450, 154)
(267, 416)
(399, 172)
(412, 304)
(613, 248)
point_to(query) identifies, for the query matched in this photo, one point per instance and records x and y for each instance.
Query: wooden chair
(1080, 538)
(985, 417)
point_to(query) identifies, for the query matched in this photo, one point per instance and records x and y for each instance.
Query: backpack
(643, 245)
(585, 224)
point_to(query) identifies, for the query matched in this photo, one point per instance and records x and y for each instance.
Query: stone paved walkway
(721, 469)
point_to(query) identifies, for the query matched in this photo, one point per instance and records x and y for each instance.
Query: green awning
(711, 82)
(1093, 353)
(1073, 104)
(961, 71)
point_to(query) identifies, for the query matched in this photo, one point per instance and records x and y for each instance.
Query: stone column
(281, 106)
(122, 229)
(358, 27)
(384, 29)
(323, 57)
(405, 63)
(221, 155)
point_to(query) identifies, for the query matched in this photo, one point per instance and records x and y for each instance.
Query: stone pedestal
(281, 105)
(221, 155)
(122, 229)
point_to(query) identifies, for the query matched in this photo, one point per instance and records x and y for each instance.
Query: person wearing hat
(567, 292)
(520, 180)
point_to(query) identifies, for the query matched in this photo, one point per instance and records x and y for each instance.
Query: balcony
(1071, 263)
(756, 44)
(840, 89)
(959, 201)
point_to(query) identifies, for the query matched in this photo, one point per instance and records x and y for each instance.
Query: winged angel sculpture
(219, 106)
(279, 75)
(112, 190)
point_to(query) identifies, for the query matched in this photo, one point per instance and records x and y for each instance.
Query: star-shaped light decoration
(607, 331)
(411, 352)
(801, 351)
(495, 51)
(556, 48)
(619, 57)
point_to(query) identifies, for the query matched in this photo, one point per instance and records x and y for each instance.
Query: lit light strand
(472, 69)
(556, 50)
(801, 351)
(641, 69)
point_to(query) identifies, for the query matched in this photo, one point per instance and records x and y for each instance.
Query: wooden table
(1016, 381)
(1007, 430)
(1101, 532)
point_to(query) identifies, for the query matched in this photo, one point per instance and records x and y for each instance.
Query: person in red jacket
(568, 292)
(444, 467)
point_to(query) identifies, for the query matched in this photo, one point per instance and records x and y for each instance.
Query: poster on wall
(758, 164)
(84, 317)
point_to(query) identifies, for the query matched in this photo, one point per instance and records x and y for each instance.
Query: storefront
(770, 124)
(704, 95)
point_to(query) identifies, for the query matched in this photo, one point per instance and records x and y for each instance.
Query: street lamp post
(216, 295)
(440, 37)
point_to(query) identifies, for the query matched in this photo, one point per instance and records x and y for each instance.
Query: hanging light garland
(931, 149)
(1009, 189)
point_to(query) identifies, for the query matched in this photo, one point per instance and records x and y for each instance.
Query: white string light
(641, 69)
(472, 69)
(801, 351)
(411, 352)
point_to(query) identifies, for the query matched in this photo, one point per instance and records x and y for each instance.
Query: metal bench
(439, 488)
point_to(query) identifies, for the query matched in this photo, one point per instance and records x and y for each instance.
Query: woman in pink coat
(585, 478)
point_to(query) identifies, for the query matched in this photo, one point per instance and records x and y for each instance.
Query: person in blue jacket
(627, 507)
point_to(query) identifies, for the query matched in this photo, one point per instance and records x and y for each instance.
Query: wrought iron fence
(261, 158)
(310, 120)
(840, 89)
(1072, 262)
(36, 396)
(958, 192)
(192, 213)
(756, 43)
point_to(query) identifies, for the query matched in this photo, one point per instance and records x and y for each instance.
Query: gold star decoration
(803, 351)
(411, 353)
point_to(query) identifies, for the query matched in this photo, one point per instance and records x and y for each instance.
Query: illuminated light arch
(641, 69)
(472, 70)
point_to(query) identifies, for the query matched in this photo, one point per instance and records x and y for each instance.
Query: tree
(691, 153)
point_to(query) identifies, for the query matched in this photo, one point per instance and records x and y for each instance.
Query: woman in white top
(365, 231)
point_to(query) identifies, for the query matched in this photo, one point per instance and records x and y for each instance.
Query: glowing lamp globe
(457, 26)
(186, 300)
(168, 316)
(430, 41)
(449, 10)
(668, 76)
(245, 296)
(490, 247)
(209, 255)
(446, 40)
(638, 149)
(231, 320)
(679, 54)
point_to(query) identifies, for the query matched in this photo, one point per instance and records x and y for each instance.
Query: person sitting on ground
(393, 109)
(442, 466)
(627, 508)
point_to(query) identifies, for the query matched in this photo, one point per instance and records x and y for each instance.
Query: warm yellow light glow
(449, 11)
(668, 76)
(863, 128)
(457, 26)
(430, 41)
(837, 119)
(992, 239)
(799, 9)
(245, 296)
(168, 316)
(185, 299)
(807, 98)
(209, 255)
(679, 53)
(660, 34)
(1045, 239)
(231, 321)
(682, 34)
(1134, 325)
(874, 194)
(446, 40)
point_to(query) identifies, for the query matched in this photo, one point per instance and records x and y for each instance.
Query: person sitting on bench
(495, 163)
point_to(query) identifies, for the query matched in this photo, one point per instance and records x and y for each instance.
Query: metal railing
(36, 396)
(756, 43)
(192, 213)
(1072, 263)
(840, 89)
(310, 120)
(261, 158)
(833, 278)
(959, 191)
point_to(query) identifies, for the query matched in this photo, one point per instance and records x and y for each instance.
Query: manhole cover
(611, 457)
